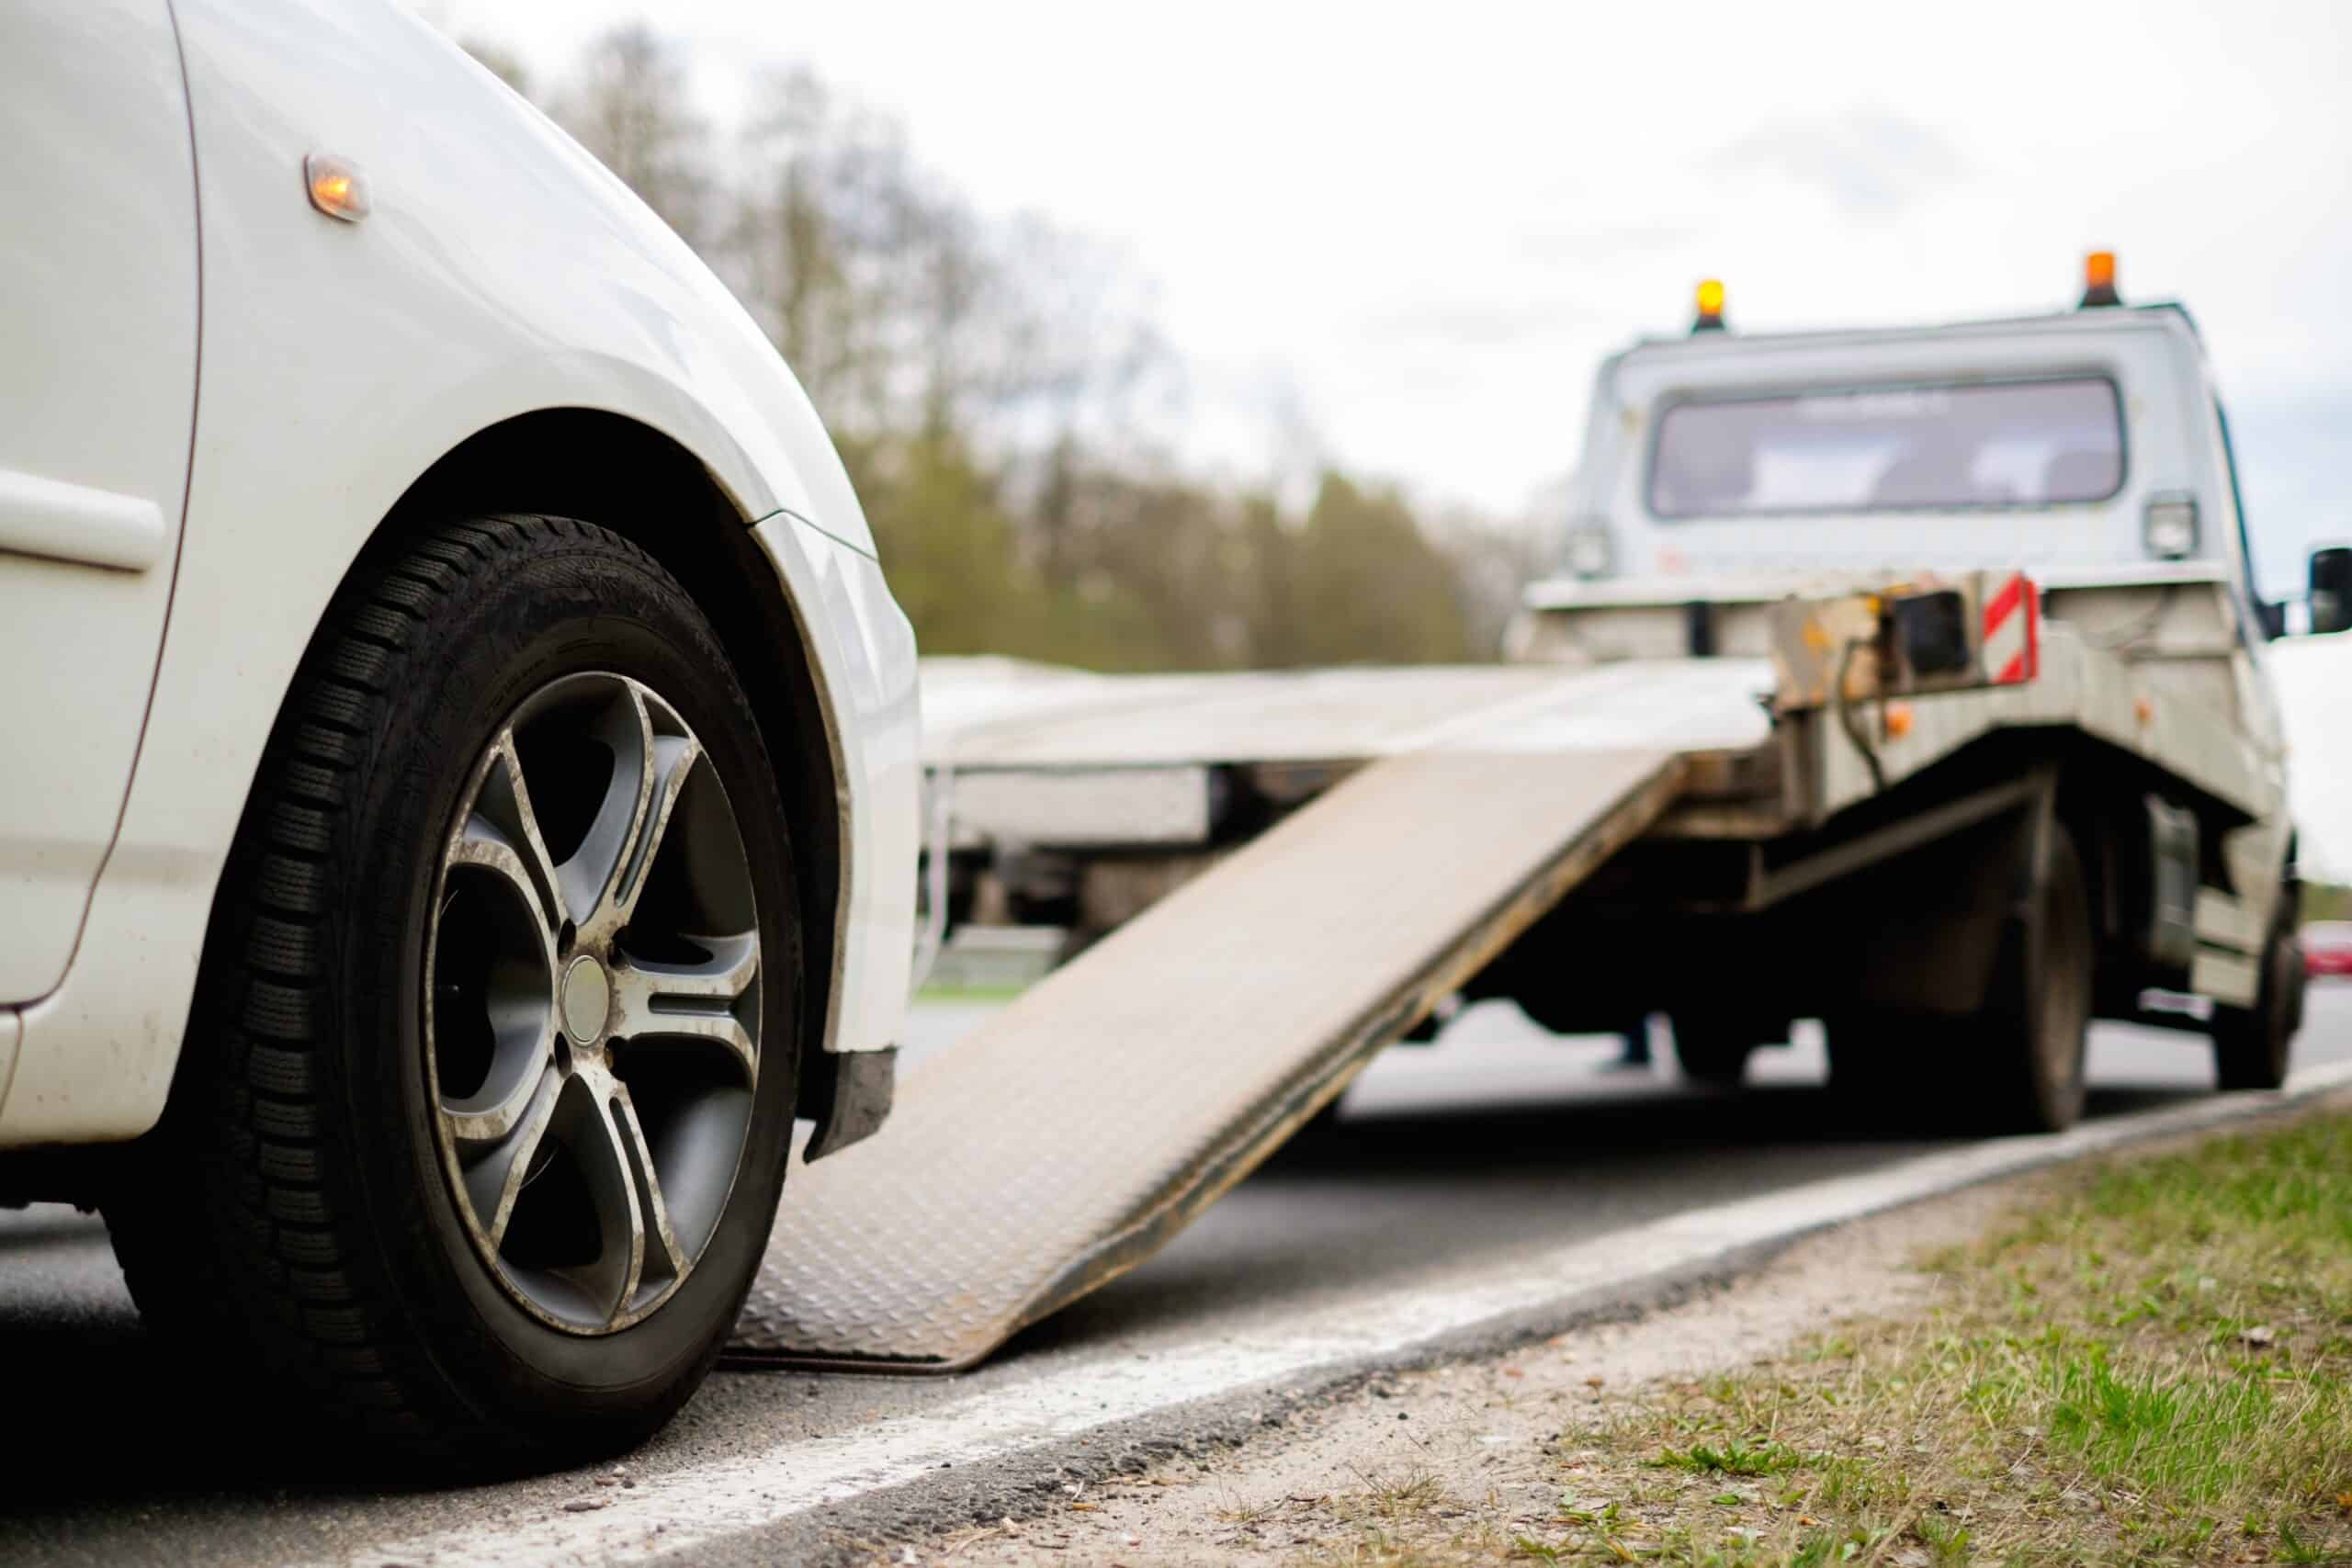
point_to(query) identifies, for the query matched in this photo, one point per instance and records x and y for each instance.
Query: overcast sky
(1416, 228)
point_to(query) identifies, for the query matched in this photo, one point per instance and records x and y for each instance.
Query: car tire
(2252, 1047)
(306, 1213)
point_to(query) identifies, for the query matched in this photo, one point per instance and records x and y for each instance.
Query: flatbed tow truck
(1913, 681)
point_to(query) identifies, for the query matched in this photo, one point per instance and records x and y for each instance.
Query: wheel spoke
(495, 1149)
(475, 1124)
(652, 762)
(505, 799)
(613, 1185)
(482, 843)
(658, 1000)
(662, 1255)
(674, 757)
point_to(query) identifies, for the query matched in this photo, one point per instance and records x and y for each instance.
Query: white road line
(672, 1513)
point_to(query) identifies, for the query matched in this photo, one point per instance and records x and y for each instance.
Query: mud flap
(1077, 1131)
(1952, 916)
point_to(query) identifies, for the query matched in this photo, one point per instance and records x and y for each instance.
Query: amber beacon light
(2099, 280)
(1709, 318)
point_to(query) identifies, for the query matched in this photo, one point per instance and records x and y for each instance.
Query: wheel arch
(621, 474)
(600, 468)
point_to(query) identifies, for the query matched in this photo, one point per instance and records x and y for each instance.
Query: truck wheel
(2036, 1022)
(2251, 1045)
(482, 1114)
(1713, 1049)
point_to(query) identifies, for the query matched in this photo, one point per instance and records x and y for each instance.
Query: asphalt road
(1496, 1142)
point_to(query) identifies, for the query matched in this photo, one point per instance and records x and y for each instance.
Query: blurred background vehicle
(2327, 948)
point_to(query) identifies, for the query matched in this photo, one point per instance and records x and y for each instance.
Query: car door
(99, 306)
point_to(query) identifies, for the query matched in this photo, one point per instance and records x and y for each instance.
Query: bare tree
(984, 377)
(502, 62)
(630, 104)
(1492, 559)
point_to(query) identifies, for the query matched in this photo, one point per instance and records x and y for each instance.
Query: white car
(458, 751)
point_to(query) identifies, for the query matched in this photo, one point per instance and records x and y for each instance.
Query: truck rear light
(1591, 549)
(2168, 527)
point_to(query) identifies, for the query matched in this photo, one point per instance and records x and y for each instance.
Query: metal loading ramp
(1077, 1131)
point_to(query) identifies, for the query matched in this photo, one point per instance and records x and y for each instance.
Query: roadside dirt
(1362, 1474)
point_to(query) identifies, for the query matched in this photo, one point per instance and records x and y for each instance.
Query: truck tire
(437, 1177)
(1713, 1049)
(2036, 1023)
(2252, 1045)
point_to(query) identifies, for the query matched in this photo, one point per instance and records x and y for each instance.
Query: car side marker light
(336, 187)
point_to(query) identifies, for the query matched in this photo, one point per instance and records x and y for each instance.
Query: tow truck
(1909, 680)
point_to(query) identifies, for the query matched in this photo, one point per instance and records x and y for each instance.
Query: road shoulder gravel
(2139, 1358)
(1466, 1451)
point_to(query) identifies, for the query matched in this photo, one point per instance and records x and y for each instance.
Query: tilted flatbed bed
(1401, 832)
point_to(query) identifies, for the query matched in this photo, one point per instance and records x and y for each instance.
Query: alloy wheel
(591, 1005)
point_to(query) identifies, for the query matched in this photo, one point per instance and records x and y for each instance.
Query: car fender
(500, 271)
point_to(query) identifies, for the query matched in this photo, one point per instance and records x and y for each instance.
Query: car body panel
(98, 393)
(501, 271)
(875, 681)
(11, 1027)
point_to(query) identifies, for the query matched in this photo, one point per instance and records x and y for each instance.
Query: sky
(1413, 231)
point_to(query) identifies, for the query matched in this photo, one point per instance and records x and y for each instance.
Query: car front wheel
(482, 1114)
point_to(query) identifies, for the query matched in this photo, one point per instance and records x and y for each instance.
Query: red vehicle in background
(2327, 948)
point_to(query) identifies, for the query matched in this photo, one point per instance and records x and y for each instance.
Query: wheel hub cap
(591, 1003)
(587, 1000)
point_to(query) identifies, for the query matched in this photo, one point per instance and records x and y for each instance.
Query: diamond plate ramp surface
(1075, 1132)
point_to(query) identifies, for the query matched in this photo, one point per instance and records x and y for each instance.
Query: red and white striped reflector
(2013, 631)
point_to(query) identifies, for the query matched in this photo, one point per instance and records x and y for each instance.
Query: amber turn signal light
(335, 185)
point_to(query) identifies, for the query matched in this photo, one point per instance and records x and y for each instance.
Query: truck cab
(2085, 442)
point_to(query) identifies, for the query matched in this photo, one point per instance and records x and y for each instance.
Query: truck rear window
(1889, 448)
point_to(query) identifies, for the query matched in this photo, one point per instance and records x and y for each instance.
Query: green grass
(1735, 1458)
(2148, 1362)
(955, 994)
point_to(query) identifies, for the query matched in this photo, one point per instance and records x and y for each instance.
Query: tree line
(987, 381)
